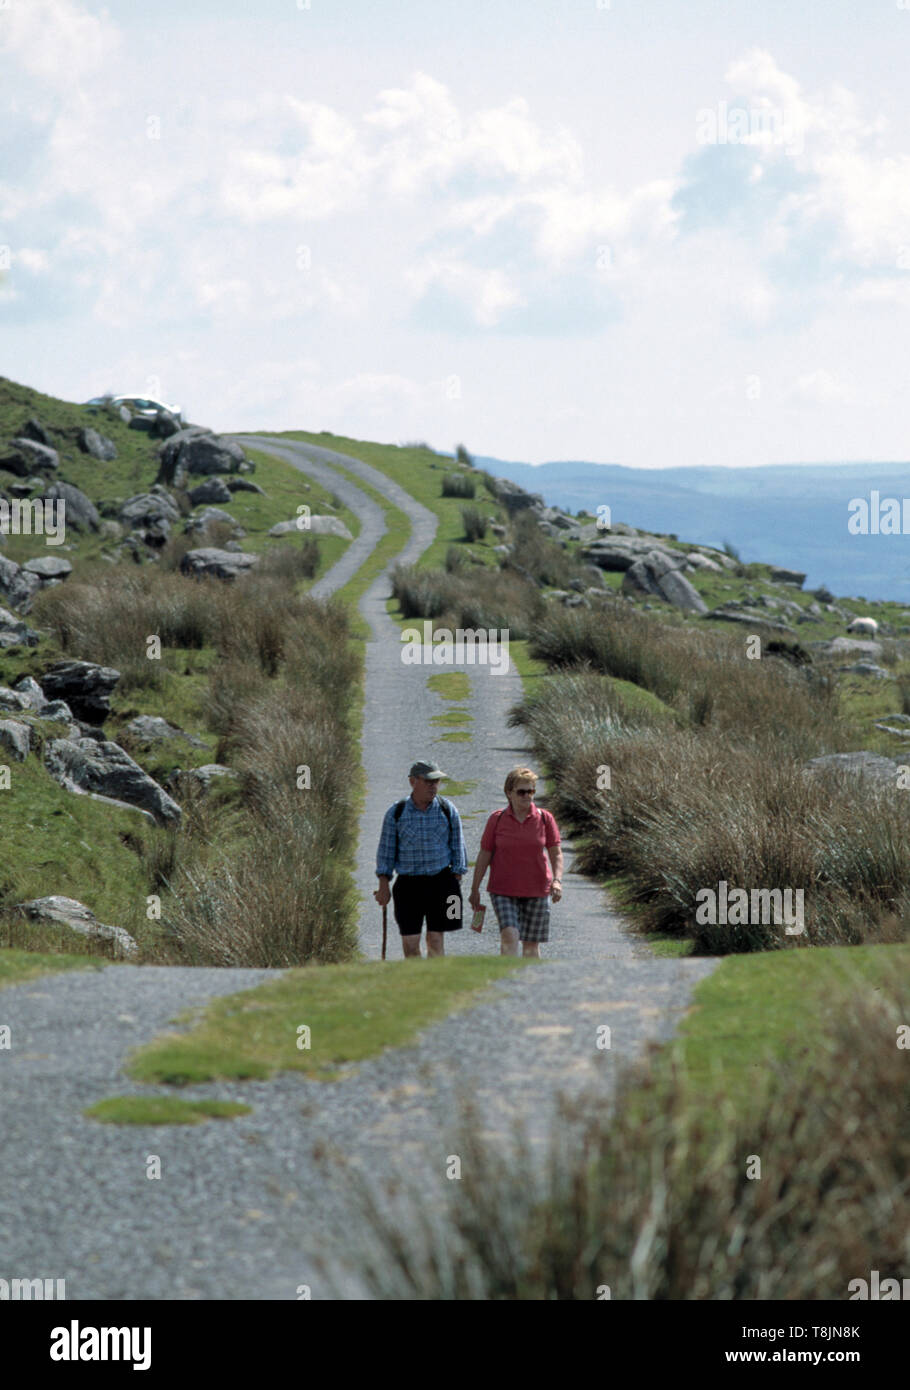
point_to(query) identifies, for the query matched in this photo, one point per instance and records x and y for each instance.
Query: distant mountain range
(786, 514)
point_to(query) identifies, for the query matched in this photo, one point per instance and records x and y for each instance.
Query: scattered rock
(873, 765)
(75, 915)
(785, 576)
(79, 510)
(36, 431)
(221, 564)
(97, 445)
(209, 517)
(868, 668)
(149, 728)
(14, 632)
(849, 646)
(213, 490)
(105, 770)
(244, 485)
(48, 567)
(28, 455)
(697, 561)
(85, 686)
(15, 739)
(17, 586)
(316, 526)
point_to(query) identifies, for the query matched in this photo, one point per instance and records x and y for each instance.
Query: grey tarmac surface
(246, 1208)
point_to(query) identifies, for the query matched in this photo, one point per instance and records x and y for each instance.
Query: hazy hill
(789, 514)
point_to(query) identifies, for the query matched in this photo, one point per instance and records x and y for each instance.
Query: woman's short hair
(518, 774)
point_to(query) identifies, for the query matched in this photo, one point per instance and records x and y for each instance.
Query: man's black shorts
(416, 896)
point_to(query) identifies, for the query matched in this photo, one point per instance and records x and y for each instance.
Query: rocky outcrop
(68, 912)
(85, 686)
(198, 450)
(658, 573)
(106, 772)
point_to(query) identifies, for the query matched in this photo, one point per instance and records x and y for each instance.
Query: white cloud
(820, 388)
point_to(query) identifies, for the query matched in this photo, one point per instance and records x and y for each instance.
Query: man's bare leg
(508, 941)
(411, 946)
(436, 943)
(530, 948)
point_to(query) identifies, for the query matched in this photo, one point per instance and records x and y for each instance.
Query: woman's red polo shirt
(520, 867)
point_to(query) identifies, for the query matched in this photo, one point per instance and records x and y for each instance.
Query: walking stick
(383, 929)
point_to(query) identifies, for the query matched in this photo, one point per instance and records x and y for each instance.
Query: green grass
(764, 1009)
(455, 736)
(17, 966)
(452, 788)
(420, 473)
(451, 717)
(451, 685)
(352, 1011)
(163, 1110)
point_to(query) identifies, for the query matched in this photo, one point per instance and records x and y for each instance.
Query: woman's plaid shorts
(530, 916)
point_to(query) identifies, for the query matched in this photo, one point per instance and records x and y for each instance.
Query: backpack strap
(446, 808)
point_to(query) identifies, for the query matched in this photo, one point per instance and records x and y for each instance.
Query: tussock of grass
(656, 1200)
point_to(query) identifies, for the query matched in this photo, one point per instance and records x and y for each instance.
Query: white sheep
(866, 627)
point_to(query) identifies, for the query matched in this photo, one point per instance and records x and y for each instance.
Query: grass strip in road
(18, 967)
(317, 1020)
(163, 1110)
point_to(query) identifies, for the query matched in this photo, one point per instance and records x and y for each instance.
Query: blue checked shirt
(426, 841)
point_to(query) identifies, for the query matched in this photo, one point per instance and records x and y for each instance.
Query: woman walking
(519, 841)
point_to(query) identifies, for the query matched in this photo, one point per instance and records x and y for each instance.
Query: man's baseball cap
(428, 770)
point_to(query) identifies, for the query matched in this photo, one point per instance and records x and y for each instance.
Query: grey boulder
(220, 564)
(85, 686)
(48, 567)
(657, 573)
(79, 511)
(97, 445)
(17, 585)
(107, 772)
(213, 490)
(68, 912)
(15, 739)
(28, 455)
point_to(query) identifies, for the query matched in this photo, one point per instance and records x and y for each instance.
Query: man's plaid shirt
(426, 841)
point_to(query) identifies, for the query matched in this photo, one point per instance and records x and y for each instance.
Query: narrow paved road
(244, 1209)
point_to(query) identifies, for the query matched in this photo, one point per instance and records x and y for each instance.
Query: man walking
(422, 842)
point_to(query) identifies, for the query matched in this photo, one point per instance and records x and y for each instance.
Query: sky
(649, 232)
